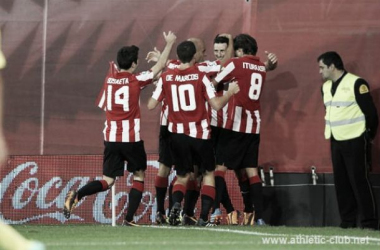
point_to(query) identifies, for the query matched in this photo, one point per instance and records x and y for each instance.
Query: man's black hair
(186, 51)
(126, 56)
(331, 57)
(247, 43)
(221, 39)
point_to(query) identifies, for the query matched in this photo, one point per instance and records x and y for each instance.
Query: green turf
(101, 237)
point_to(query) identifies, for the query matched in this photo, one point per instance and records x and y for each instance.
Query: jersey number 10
(179, 94)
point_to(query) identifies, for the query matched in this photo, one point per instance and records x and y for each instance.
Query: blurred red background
(58, 53)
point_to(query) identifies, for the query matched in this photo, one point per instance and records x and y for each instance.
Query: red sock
(219, 173)
(254, 179)
(104, 185)
(192, 185)
(179, 188)
(138, 185)
(208, 191)
(161, 182)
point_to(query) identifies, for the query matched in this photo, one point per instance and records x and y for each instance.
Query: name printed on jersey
(184, 78)
(252, 66)
(117, 81)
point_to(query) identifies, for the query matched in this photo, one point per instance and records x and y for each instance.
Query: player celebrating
(238, 144)
(185, 90)
(165, 158)
(120, 100)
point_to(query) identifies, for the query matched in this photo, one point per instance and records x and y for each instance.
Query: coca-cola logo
(31, 193)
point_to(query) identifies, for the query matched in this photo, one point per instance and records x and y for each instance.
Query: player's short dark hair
(186, 51)
(247, 43)
(126, 56)
(331, 57)
(221, 39)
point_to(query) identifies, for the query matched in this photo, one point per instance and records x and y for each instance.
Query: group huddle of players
(210, 122)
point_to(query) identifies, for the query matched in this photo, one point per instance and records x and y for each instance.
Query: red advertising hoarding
(33, 190)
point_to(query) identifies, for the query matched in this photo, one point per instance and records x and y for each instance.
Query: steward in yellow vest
(344, 118)
(350, 123)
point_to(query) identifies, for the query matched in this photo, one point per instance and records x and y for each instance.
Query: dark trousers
(353, 188)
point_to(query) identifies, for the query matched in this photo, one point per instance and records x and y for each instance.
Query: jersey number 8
(255, 89)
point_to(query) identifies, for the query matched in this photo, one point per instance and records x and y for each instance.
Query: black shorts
(164, 156)
(115, 153)
(237, 150)
(215, 132)
(188, 151)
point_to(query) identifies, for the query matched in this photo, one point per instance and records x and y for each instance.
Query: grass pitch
(103, 237)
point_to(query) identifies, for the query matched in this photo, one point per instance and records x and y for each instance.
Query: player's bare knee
(110, 181)
(221, 168)
(163, 170)
(252, 172)
(183, 179)
(139, 175)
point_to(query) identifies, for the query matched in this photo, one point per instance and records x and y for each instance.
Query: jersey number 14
(120, 97)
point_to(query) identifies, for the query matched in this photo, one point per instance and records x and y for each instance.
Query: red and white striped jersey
(211, 68)
(171, 64)
(208, 67)
(164, 114)
(243, 111)
(186, 92)
(119, 98)
(218, 118)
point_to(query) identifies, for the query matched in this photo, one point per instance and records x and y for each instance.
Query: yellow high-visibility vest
(344, 119)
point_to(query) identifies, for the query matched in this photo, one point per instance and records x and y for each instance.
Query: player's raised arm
(271, 63)
(170, 39)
